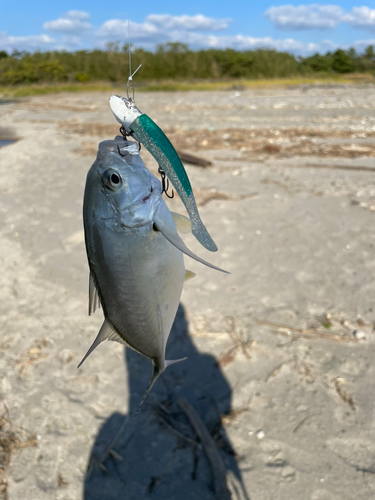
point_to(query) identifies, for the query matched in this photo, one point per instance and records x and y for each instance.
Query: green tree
(369, 53)
(318, 62)
(342, 62)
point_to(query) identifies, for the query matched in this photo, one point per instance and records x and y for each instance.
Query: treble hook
(165, 184)
(124, 136)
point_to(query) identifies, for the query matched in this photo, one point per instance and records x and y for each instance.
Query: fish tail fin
(169, 362)
(156, 372)
(129, 422)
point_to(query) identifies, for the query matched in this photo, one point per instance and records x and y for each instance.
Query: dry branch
(339, 382)
(304, 420)
(213, 454)
(176, 432)
(194, 160)
(306, 333)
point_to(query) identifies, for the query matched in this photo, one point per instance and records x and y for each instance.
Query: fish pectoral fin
(94, 302)
(106, 332)
(174, 238)
(182, 223)
(169, 362)
(189, 275)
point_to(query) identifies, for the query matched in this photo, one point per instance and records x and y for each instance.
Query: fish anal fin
(182, 223)
(189, 275)
(94, 302)
(106, 332)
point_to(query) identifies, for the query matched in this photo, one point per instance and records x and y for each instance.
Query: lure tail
(146, 131)
(158, 144)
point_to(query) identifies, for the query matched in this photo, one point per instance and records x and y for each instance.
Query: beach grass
(19, 91)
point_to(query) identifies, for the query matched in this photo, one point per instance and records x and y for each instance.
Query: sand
(280, 353)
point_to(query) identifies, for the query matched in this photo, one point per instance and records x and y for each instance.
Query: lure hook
(165, 184)
(125, 135)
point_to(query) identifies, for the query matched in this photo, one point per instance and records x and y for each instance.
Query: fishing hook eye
(165, 184)
(123, 132)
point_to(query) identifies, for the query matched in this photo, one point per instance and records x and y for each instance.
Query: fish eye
(112, 179)
(115, 179)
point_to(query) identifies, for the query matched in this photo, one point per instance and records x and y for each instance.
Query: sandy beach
(280, 352)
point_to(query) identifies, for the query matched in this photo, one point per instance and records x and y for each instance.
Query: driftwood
(194, 160)
(335, 166)
(213, 454)
(305, 332)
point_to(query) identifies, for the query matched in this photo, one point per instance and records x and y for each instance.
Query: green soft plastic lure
(143, 129)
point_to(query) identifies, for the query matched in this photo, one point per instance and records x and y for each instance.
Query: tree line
(175, 61)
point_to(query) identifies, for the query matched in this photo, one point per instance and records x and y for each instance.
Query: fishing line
(130, 85)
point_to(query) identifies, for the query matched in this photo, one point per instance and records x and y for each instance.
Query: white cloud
(321, 17)
(117, 29)
(74, 31)
(32, 42)
(305, 17)
(362, 18)
(185, 29)
(360, 45)
(78, 14)
(74, 21)
(187, 23)
(159, 28)
(241, 42)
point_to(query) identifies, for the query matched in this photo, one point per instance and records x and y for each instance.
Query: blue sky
(295, 27)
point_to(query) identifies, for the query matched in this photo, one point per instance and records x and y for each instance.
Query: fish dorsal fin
(174, 238)
(94, 302)
(106, 332)
(189, 275)
(182, 223)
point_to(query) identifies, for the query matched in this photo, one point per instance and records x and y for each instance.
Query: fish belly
(140, 276)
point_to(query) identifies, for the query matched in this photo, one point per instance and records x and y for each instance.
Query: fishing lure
(144, 130)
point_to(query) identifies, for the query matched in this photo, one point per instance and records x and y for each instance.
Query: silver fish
(134, 253)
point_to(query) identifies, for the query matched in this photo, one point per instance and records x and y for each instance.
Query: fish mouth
(145, 198)
(140, 199)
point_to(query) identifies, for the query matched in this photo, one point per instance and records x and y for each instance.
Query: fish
(143, 129)
(134, 252)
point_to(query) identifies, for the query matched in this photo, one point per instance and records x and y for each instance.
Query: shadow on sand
(157, 464)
